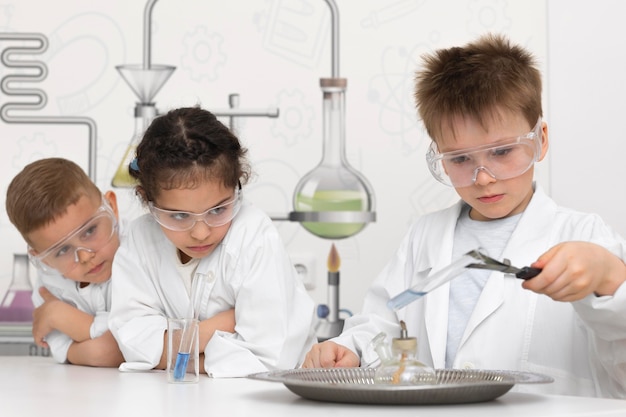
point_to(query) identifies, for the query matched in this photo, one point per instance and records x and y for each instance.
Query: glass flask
(17, 305)
(144, 113)
(145, 83)
(399, 364)
(333, 200)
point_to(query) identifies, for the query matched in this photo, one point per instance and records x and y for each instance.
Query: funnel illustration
(145, 83)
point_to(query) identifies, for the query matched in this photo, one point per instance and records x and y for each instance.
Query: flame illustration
(334, 262)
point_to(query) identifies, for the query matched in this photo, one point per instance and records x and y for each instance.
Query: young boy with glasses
(481, 105)
(72, 231)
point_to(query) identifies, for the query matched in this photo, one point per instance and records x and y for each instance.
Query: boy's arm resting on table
(101, 351)
(55, 314)
(223, 321)
(352, 348)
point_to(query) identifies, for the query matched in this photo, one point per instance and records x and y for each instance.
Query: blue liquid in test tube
(180, 368)
(424, 286)
(404, 298)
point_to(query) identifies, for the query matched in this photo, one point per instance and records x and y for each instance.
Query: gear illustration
(34, 148)
(488, 15)
(296, 118)
(203, 54)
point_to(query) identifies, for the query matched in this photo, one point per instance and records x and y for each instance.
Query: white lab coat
(94, 299)
(274, 315)
(581, 344)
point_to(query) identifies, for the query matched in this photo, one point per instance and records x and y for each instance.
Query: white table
(37, 386)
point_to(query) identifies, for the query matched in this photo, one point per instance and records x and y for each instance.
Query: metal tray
(356, 385)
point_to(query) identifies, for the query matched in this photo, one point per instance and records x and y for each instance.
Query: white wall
(586, 90)
(272, 53)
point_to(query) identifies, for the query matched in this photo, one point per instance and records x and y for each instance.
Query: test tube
(190, 332)
(424, 286)
(186, 347)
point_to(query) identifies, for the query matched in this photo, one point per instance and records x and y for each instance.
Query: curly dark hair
(184, 147)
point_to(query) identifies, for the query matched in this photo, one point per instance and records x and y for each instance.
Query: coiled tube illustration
(35, 71)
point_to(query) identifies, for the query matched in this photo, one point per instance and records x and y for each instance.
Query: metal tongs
(456, 268)
(487, 262)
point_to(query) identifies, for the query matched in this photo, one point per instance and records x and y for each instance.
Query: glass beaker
(338, 198)
(17, 305)
(144, 113)
(399, 365)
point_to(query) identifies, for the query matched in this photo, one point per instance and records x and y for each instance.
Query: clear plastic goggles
(502, 160)
(90, 237)
(180, 221)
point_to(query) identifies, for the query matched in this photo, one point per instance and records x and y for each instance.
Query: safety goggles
(90, 237)
(502, 160)
(180, 221)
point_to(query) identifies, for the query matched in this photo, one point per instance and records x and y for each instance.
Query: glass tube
(424, 286)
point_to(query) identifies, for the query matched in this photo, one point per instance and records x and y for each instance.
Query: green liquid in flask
(332, 200)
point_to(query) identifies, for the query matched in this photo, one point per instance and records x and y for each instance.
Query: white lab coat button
(210, 277)
(468, 365)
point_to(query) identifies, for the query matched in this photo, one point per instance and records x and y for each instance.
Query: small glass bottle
(333, 200)
(399, 365)
(17, 305)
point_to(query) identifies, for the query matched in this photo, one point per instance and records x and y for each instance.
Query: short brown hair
(477, 81)
(43, 191)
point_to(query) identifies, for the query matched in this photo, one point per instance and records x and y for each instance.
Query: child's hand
(573, 270)
(330, 355)
(43, 316)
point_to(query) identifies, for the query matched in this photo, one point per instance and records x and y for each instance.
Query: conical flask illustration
(17, 305)
(145, 83)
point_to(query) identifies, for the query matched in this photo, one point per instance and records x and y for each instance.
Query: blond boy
(71, 229)
(481, 105)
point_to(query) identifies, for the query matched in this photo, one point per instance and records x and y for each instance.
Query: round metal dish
(356, 385)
